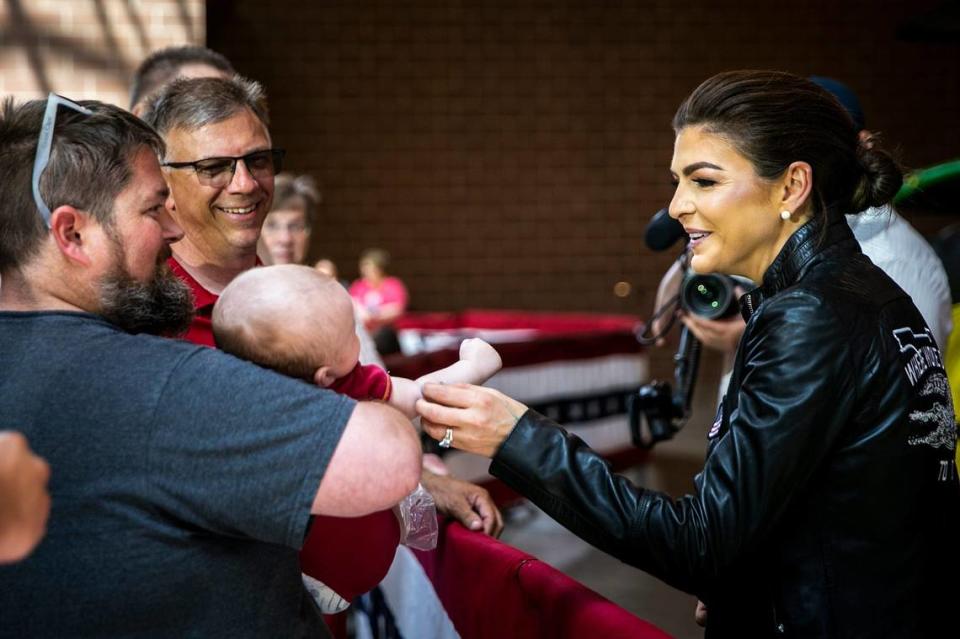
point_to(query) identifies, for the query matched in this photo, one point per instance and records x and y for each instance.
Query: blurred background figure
(165, 65)
(381, 299)
(329, 268)
(24, 500)
(285, 238)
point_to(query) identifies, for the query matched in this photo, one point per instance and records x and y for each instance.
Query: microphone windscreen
(662, 231)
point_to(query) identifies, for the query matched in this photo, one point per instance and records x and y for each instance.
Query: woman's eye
(703, 182)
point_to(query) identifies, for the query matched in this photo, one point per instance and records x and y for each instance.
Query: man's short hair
(192, 103)
(296, 192)
(90, 164)
(162, 66)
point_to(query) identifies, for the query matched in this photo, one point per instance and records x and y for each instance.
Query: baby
(300, 322)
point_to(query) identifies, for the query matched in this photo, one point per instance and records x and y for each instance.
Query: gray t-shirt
(182, 481)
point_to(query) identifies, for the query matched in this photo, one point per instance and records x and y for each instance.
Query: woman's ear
(797, 188)
(323, 378)
(71, 231)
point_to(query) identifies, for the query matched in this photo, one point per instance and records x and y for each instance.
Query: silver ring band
(447, 440)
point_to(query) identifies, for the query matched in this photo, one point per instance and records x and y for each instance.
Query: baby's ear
(323, 378)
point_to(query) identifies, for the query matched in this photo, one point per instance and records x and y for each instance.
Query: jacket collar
(797, 255)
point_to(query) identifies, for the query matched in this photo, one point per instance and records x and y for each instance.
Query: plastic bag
(418, 520)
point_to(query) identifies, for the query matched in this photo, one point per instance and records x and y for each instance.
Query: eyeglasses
(43, 147)
(218, 172)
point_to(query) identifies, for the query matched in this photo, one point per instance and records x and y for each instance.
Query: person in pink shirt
(380, 298)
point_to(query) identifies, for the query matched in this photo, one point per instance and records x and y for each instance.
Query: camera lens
(710, 296)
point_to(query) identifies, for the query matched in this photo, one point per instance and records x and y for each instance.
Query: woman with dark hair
(828, 505)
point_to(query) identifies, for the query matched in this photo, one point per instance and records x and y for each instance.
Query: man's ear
(797, 187)
(323, 378)
(71, 229)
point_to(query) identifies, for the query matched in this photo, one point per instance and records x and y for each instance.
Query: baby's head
(289, 318)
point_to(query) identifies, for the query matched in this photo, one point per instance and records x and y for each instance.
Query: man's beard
(162, 306)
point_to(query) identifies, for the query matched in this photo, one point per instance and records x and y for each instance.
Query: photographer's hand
(720, 335)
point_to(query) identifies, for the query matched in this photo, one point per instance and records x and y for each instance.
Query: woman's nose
(680, 205)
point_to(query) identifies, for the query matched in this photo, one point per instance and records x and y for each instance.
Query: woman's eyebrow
(700, 165)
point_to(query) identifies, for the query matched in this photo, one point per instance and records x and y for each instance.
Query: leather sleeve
(796, 394)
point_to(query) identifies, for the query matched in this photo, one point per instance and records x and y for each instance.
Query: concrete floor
(647, 597)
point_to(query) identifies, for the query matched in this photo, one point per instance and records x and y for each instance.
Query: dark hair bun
(881, 179)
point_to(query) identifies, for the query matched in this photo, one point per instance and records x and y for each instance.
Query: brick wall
(509, 153)
(88, 49)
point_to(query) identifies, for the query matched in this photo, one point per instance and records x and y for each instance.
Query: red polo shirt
(201, 329)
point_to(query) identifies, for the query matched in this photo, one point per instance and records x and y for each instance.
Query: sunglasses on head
(44, 144)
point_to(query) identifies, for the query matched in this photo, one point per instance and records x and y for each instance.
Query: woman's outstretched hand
(480, 418)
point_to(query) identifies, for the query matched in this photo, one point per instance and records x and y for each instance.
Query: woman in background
(381, 299)
(285, 237)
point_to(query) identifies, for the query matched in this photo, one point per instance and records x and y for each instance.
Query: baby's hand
(483, 356)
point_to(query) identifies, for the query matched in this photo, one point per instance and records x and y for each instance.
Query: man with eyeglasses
(182, 479)
(220, 165)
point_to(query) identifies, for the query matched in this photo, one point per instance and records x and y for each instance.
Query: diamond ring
(447, 440)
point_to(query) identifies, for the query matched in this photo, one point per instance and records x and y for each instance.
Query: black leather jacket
(828, 505)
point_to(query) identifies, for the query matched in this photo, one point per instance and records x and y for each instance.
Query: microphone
(662, 231)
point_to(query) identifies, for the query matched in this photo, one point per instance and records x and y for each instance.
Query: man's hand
(468, 503)
(24, 501)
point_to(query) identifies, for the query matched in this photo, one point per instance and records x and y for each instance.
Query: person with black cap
(893, 244)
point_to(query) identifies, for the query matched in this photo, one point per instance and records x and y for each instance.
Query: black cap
(845, 95)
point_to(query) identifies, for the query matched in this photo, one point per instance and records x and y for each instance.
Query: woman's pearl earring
(785, 215)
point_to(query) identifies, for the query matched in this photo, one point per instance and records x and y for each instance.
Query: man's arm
(478, 363)
(376, 464)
